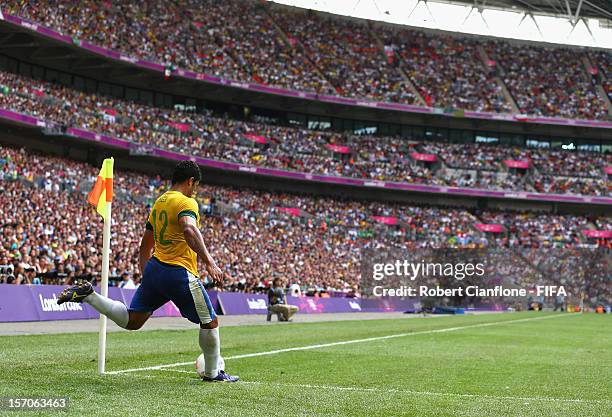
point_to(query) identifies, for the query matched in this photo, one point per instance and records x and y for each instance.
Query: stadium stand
(256, 235)
(310, 240)
(314, 52)
(548, 81)
(448, 71)
(256, 143)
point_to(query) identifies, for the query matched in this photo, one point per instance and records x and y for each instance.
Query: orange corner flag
(102, 191)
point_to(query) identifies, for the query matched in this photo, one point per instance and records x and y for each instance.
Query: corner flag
(102, 191)
(101, 197)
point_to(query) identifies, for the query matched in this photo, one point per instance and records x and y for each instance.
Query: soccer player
(169, 249)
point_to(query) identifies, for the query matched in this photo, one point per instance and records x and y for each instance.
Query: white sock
(211, 348)
(114, 310)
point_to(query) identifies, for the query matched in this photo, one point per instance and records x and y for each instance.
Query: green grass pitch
(557, 366)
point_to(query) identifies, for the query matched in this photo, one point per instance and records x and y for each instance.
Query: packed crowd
(233, 39)
(583, 273)
(488, 180)
(570, 185)
(603, 223)
(309, 51)
(50, 235)
(547, 171)
(476, 156)
(55, 237)
(532, 229)
(576, 164)
(255, 143)
(548, 81)
(491, 157)
(347, 53)
(213, 137)
(601, 71)
(447, 70)
(48, 231)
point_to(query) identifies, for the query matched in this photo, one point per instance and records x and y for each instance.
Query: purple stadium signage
(390, 304)
(39, 303)
(17, 303)
(325, 305)
(21, 118)
(274, 172)
(241, 303)
(519, 118)
(233, 303)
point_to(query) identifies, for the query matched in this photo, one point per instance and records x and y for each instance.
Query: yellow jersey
(170, 244)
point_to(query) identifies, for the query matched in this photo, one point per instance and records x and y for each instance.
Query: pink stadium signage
(183, 127)
(510, 163)
(290, 210)
(255, 138)
(338, 148)
(598, 234)
(489, 227)
(281, 173)
(427, 157)
(391, 221)
(292, 93)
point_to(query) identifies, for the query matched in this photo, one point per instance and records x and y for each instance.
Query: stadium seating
(448, 71)
(255, 143)
(548, 81)
(255, 235)
(347, 54)
(309, 51)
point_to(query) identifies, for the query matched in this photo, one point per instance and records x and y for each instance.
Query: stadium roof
(568, 22)
(573, 9)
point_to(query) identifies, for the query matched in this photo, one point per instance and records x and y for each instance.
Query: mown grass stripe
(347, 342)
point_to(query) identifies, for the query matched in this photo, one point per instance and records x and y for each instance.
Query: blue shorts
(162, 282)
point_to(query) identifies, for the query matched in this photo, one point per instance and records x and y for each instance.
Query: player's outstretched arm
(194, 239)
(146, 249)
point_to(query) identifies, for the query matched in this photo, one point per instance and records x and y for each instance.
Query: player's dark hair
(185, 170)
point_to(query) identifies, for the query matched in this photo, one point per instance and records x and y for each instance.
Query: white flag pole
(104, 288)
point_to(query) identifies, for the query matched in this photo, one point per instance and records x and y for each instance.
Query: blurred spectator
(126, 281)
(277, 303)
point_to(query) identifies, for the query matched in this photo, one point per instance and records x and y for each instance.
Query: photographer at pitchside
(277, 303)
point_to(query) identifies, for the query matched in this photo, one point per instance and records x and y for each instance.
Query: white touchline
(346, 342)
(408, 391)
